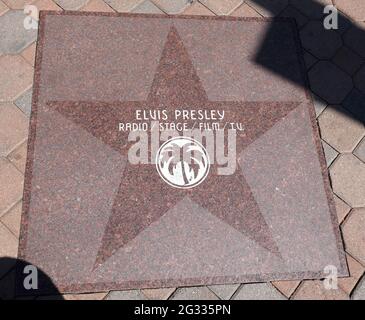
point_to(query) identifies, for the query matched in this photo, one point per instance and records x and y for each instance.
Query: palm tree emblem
(182, 162)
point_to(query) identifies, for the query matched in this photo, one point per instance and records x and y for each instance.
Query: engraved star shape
(143, 197)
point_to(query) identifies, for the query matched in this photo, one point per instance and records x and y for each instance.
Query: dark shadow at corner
(17, 275)
(325, 79)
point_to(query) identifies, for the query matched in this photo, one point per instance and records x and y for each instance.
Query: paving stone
(46, 5)
(347, 60)
(312, 9)
(147, 7)
(258, 291)
(29, 54)
(125, 295)
(18, 157)
(320, 42)
(329, 82)
(319, 104)
(85, 296)
(198, 9)
(13, 128)
(7, 288)
(194, 293)
(158, 294)
(359, 292)
(356, 271)
(339, 128)
(71, 4)
(16, 76)
(123, 6)
(348, 179)
(342, 208)
(315, 290)
(3, 8)
(17, 4)
(24, 102)
(245, 10)
(14, 37)
(329, 153)
(97, 6)
(355, 103)
(291, 12)
(286, 287)
(354, 38)
(343, 23)
(224, 291)
(11, 219)
(359, 79)
(353, 231)
(268, 8)
(355, 9)
(8, 248)
(172, 7)
(222, 7)
(11, 187)
(360, 150)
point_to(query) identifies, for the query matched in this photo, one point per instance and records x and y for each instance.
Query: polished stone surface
(95, 220)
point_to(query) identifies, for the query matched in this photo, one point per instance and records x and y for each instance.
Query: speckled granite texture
(94, 221)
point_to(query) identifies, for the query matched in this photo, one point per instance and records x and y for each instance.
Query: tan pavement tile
(11, 186)
(47, 5)
(286, 287)
(258, 291)
(348, 179)
(97, 6)
(194, 293)
(158, 294)
(172, 7)
(339, 129)
(222, 7)
(356, 271)
(353, 231)
(13, 128)
(315, 290)
(329, 153)
(11, 219)
(360, 150)
(29, 53)
(245, 10)
(359, 292)
(355, 9)
(18, 156)
(16, 76)
(71, 4)
(17, 4)
(147, 6)
(312, 9)
(342, 208)
(198, 9)
(224, 291)
(3, 8)
(125, 295)
(123, 6)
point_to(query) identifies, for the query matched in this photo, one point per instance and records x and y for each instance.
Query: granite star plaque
(162, 154)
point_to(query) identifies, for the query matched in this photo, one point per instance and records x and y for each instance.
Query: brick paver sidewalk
(336, 70)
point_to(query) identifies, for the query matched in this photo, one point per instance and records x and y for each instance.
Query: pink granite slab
(95, 220)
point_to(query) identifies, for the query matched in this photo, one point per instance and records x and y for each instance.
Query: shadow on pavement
(14, 273)
(334, 58)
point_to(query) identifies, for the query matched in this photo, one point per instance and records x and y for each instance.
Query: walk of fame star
(228, 197)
